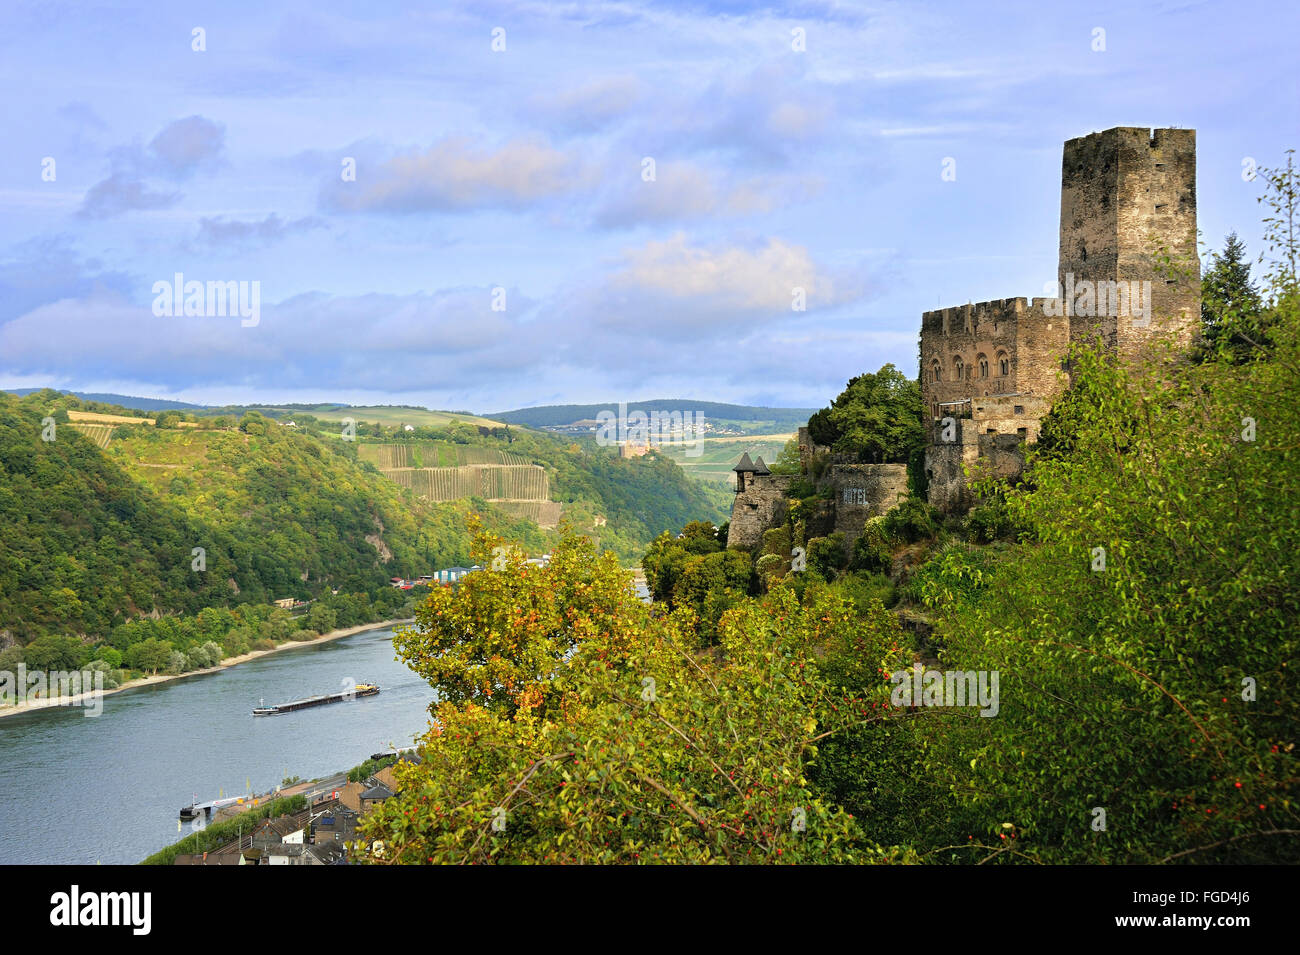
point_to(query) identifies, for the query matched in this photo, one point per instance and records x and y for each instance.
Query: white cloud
(455, 175)
(735, 278)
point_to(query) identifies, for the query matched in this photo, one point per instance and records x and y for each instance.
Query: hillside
(100, 524)
(124, 401)
(93, 536)
(741, 419)
(394, 415)
(622, 503)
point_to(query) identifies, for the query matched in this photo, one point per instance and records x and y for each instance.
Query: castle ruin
(1127, 272)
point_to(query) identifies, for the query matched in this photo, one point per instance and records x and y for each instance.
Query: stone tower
(1128, 201)
(1128, 269)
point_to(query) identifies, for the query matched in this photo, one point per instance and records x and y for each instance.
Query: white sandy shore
(63, 701)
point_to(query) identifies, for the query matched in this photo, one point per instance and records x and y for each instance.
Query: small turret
(746, 466)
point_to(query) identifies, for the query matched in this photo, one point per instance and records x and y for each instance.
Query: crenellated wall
(1127, 271)
(1004, 347)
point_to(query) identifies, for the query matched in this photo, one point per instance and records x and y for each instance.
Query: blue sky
(522, 169)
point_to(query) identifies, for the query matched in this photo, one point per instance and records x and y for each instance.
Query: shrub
(826, 555)
(110, 656)
(911, 520)
(301, 636)
(863, 588)
(871, 550)
(776, 540)
(769, 565)
(263, 643)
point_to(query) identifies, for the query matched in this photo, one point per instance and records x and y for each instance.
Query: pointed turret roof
(760, 467)
(745, 465)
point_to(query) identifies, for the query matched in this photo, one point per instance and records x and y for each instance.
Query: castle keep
(1128, 271)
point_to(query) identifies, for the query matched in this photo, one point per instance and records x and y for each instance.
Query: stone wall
(862, 491)
(1127, 194)
(859, 492)
(760, 505)
(946, 462)
(1007, 346)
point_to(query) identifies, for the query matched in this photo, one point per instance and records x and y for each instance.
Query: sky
(488, 205)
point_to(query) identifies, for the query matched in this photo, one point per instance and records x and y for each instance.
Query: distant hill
(99, 524)
(124, 401)
(751, 416)
(389, 415)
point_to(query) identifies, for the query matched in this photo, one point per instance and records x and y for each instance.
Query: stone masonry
(858, 492)
(1127, 271)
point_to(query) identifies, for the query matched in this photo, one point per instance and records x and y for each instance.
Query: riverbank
(28, 706)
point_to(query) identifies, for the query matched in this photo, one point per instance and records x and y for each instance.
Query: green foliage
(712, 584)
(500, 636)
(358, 774)
(634, 747)
(871, 551)
(787, 462)
(911, 519)
(1234, 320)
(55, 652)
(826, 555)
(877, 417)
(864, 588)
(776, 540)
(990, 521)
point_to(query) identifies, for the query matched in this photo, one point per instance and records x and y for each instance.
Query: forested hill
(101, 526)
(551, 416)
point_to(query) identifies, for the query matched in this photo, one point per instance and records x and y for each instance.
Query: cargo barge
(362, 689)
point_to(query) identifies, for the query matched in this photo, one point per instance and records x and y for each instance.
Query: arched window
(1004, 364)
(958, 368)
(983, 363)
(936, 370)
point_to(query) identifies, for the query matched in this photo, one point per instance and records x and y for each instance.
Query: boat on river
(362, 689)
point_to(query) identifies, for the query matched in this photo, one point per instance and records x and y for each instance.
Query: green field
(388, 415)
(719, 455)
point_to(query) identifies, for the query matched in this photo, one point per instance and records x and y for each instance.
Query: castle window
(936, 370)
(958, 368)
(1020, 409)
(1004, 364)
(984, 366)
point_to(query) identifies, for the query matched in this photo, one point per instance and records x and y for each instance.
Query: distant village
(316, 835)
(453, 574)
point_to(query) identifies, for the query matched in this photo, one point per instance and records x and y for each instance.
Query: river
(83, 790)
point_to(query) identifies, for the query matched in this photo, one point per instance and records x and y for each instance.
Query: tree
(1233, 316)
(647, 752)
(321, 618)
(788, 461)
(55, 652)
(150, 655)
(500, 637)
(877, 416)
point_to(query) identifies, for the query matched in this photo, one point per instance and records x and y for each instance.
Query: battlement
(956, 319)
(1128, 200)
(1128, 270)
